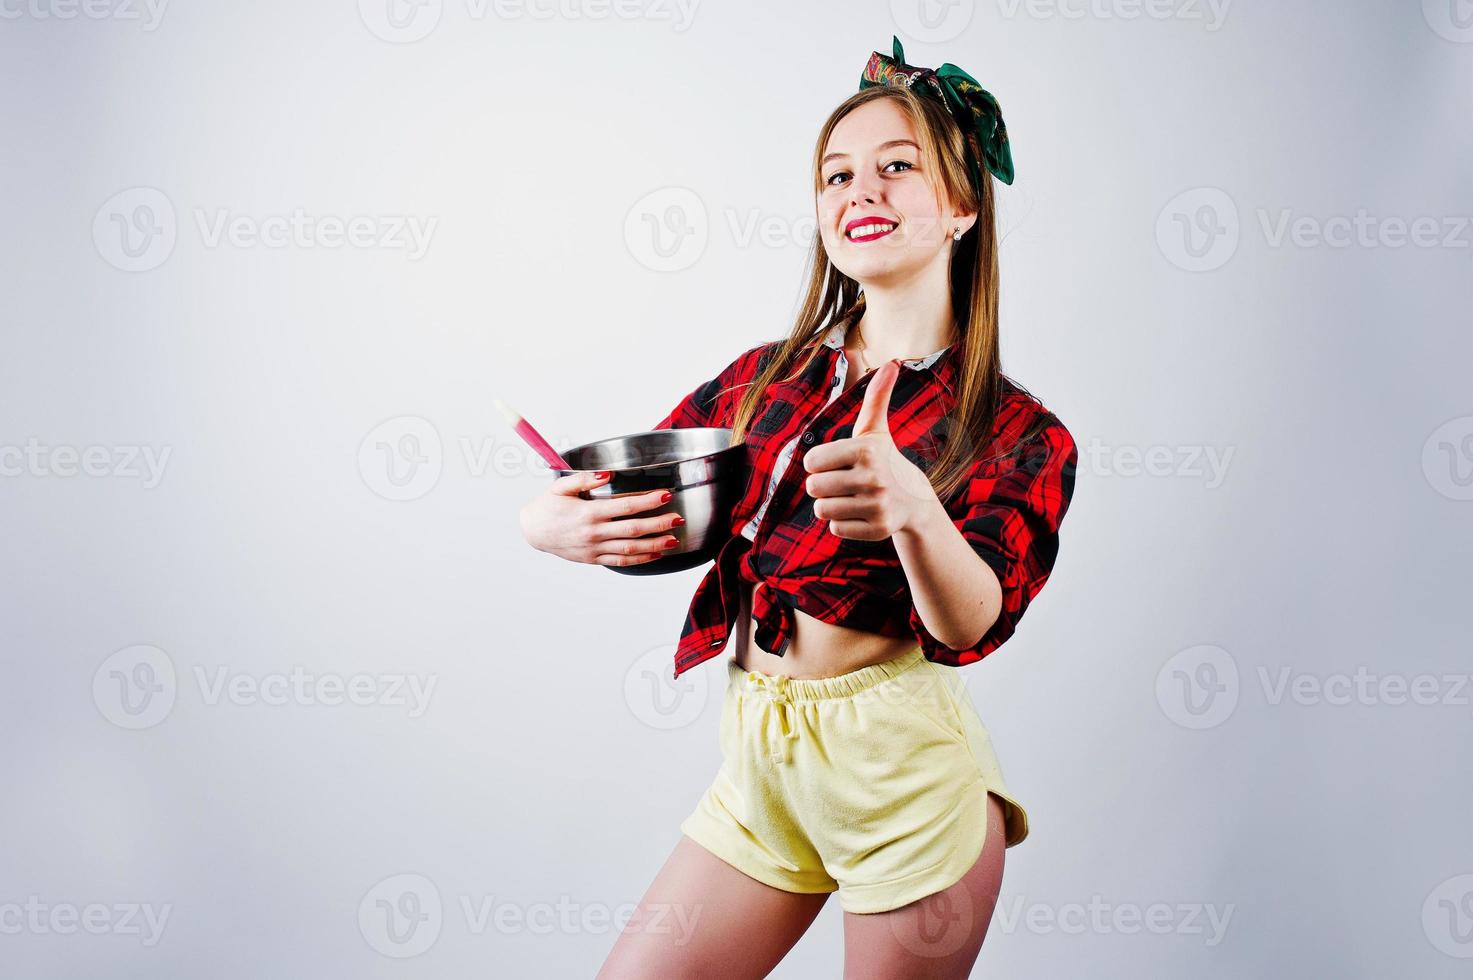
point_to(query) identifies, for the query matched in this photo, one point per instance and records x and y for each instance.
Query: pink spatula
(532, 437)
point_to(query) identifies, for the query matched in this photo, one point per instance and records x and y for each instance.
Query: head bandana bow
(972, 106)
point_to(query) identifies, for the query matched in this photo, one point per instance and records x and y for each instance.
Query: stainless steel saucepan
(702, 469)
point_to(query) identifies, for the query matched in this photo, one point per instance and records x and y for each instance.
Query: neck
(907, 320)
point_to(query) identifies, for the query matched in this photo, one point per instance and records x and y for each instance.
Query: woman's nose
(863, 188)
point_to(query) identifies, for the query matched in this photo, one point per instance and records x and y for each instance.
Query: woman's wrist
(928, 516)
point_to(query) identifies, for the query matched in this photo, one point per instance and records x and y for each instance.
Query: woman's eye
(844, 173)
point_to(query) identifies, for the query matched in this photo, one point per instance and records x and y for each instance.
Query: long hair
(832, 297)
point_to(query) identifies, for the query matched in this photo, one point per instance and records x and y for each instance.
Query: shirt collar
(944, 365)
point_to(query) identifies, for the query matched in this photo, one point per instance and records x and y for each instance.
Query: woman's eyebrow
(883, 146)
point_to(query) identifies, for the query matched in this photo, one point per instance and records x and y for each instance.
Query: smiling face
(879, 215)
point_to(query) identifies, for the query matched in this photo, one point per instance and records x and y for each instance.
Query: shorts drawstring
(775, 688)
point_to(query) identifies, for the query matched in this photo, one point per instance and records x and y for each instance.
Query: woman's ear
(959, 218)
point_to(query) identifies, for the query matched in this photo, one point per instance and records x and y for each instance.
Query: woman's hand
(863, 486)
(600, 531)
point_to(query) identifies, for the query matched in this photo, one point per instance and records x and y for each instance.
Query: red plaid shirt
(1009, 511)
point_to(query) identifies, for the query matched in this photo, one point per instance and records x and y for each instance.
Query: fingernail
(672, 543)
(601, 475)
(678, 521)
(665, 497)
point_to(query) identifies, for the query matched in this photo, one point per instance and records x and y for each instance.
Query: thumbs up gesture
(863, 486)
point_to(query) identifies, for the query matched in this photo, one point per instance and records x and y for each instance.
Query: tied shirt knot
(772, 616)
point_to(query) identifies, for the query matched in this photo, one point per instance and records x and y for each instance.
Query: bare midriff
(815, 648)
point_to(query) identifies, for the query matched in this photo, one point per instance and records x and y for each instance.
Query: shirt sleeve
(713, 403)
(1009, 511)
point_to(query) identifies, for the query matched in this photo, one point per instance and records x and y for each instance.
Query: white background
(1138, 712)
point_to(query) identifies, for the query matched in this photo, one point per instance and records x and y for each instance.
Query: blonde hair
(832, 297)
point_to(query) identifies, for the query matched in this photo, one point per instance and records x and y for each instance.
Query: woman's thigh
(703, 918)
(938, 936)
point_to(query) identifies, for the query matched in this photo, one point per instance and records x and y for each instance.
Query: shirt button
(808, 438)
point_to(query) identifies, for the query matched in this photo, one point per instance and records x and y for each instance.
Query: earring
(956, 236)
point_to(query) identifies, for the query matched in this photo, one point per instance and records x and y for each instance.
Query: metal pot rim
(650, 466)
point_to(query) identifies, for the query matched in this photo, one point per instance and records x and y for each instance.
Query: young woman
(903, 510)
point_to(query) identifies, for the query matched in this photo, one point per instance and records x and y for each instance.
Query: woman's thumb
(575, 483)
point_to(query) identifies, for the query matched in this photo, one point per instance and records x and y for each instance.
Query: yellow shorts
(873, 783)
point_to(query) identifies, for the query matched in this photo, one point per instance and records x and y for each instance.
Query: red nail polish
(678, 521)
(665, 497)
(671, 543)
(601, 475)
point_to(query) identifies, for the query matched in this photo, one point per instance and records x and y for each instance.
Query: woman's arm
(711, 404)
(1005, 519)
(1008, 514)
(955, 592)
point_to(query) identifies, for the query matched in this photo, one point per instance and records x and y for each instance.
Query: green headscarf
(972, 106)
